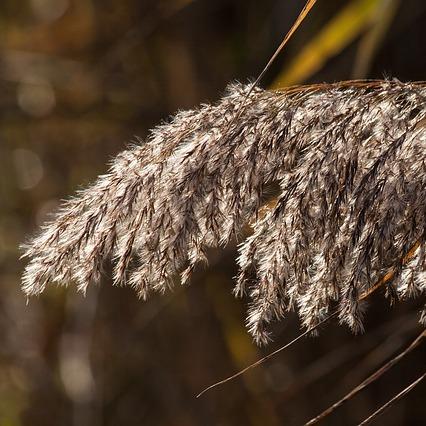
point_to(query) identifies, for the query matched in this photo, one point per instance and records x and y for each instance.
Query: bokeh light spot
(29, 168)
(37, 100)
(49, 10)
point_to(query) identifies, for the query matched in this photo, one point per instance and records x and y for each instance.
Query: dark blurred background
(80, 78)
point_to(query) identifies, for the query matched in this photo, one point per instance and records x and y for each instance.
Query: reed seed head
(349, 162)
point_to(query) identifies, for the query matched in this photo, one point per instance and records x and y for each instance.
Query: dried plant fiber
(349, 161)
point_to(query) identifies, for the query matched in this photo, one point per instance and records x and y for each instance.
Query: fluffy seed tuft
(349, 162)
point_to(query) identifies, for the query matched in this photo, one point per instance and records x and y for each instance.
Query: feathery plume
(349, 161)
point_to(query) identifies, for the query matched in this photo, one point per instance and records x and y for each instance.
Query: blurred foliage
(348, 23)
(80, 78)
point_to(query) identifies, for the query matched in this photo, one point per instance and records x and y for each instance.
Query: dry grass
(349, 162)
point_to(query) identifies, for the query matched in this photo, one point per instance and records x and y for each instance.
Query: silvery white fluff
(349, 160)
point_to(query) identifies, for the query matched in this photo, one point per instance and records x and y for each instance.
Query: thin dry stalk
(267, 357)
(303, 14)
(372, 378)
(391, 333)
(396, 398)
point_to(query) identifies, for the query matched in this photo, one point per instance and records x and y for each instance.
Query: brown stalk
(370, 379)
(264, 359)
(307, 8)
(392, 401)
(302, 15)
